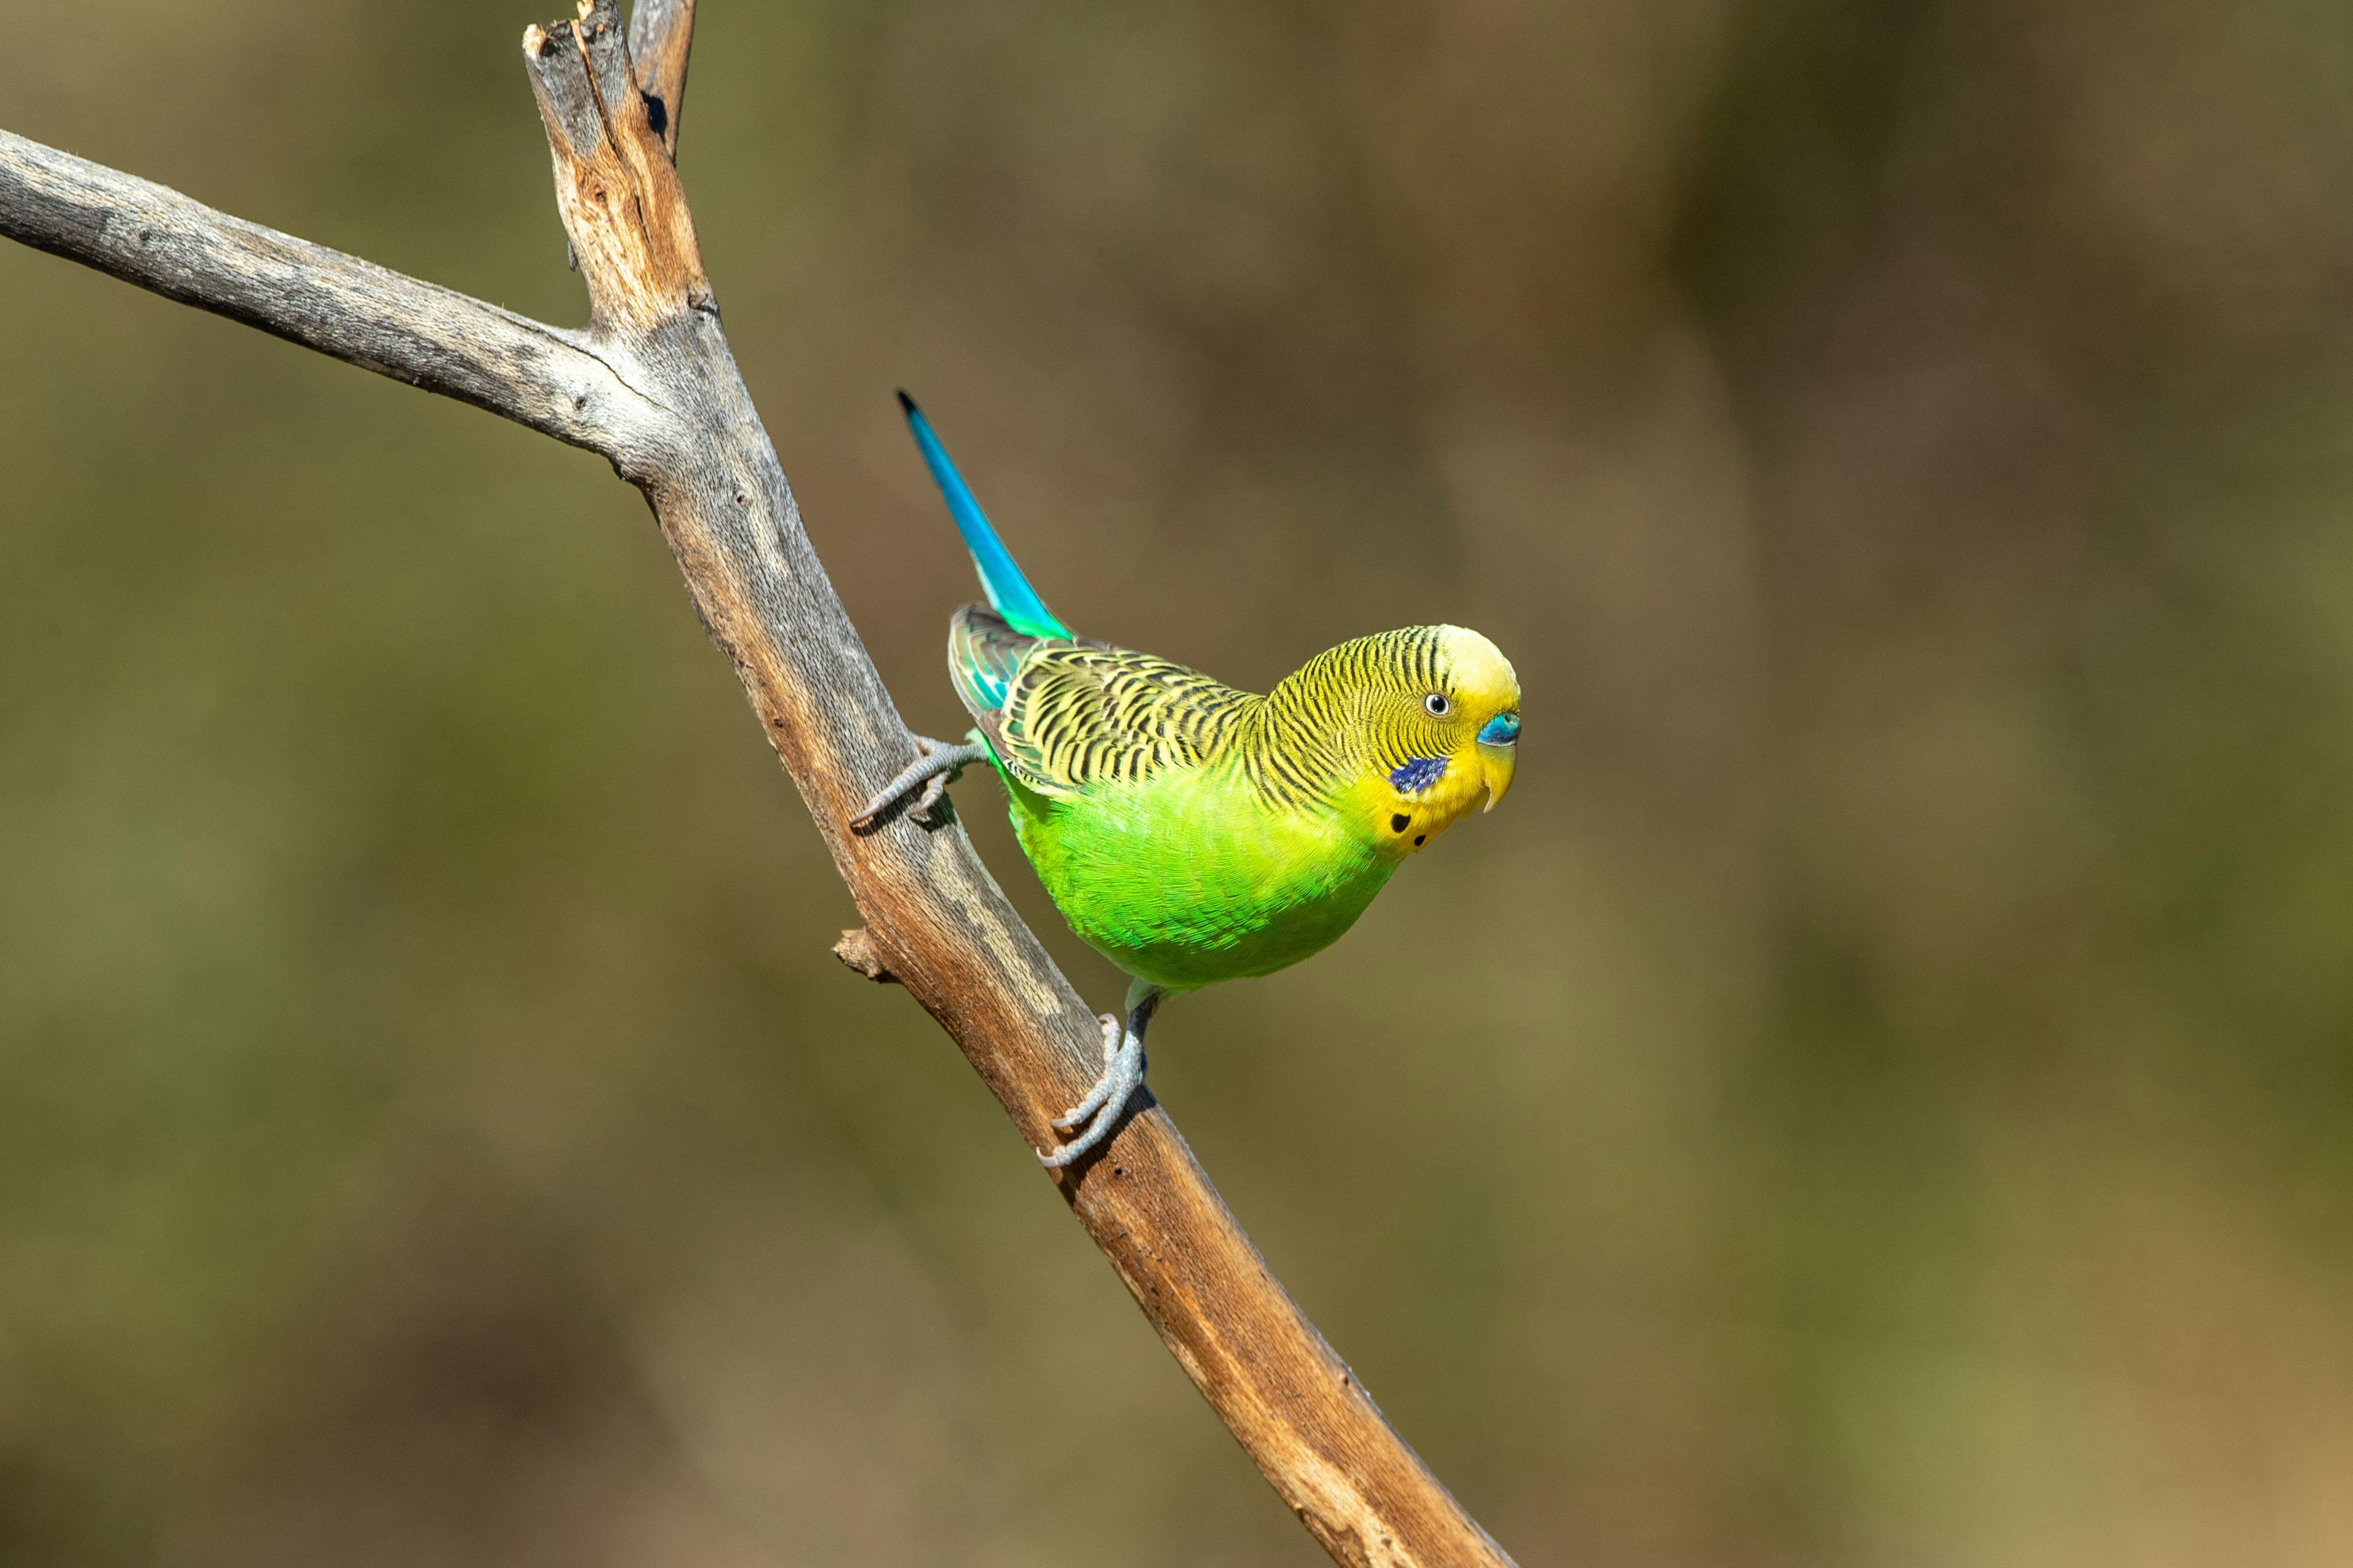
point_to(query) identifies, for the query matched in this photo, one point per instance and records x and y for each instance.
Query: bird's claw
(1113, 1033)
(935, 790)
(935, 769)
(1106, 1102)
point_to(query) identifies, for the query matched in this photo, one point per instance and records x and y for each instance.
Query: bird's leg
(935, 771)
(1122, 1075)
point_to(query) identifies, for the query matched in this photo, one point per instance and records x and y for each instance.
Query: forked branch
(653, 387)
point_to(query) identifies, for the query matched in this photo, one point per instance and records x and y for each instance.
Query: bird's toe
(1106, 1102)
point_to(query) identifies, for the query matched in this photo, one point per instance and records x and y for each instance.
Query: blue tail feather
(1009, 593)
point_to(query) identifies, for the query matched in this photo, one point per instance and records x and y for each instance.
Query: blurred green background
(1878, 1093)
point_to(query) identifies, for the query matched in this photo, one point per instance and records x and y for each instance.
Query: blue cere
(1419, 773)
(1503, 730)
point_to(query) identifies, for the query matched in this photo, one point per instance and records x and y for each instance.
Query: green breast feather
(1146, 797)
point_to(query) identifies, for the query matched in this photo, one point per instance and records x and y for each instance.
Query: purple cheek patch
(1419, 773)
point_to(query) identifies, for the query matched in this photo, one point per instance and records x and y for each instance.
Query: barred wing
(1064, 714)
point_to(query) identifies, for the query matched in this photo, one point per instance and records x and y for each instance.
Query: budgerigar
(1191, 833)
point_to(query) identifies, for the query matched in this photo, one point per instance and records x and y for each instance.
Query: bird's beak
(1495, 764)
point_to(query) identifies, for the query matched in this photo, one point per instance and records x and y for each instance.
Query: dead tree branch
(653, 387)
(553, 381)
(661, 34)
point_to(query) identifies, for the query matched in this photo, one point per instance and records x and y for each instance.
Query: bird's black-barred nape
(1354, 703)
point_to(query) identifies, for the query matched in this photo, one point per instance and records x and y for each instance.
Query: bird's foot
(1099, 1112)
(932, 773)
(1115, 1036)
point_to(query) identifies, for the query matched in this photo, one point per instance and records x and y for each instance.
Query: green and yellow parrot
(1191, 833)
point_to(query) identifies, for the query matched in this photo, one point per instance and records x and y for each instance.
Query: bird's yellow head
(1432, 715)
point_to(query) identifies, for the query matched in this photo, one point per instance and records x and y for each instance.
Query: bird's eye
(1437, 705)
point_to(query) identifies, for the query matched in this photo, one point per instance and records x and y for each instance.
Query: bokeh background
(1879, 1093)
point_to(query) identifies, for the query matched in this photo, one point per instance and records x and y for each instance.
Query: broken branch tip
(858, 950)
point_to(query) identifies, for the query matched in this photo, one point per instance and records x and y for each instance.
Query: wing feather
(1064, 713)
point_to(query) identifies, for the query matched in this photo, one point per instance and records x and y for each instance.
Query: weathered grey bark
(552, 380)
(653, 387)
